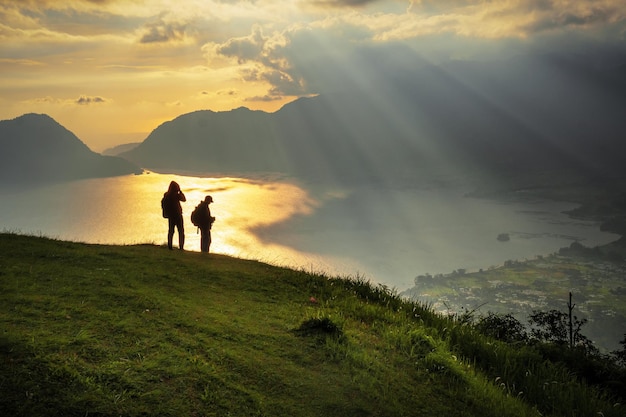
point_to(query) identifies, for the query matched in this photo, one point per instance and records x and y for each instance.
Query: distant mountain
(116, 150)
(36, 148)
(531, 116)
(238, 140)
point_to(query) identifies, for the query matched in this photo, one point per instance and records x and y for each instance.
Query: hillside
(36, 148)
(140, 330)
(116, 150)
(594, 275)
(540, 118)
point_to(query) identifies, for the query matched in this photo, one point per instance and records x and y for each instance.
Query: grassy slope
(140, 330)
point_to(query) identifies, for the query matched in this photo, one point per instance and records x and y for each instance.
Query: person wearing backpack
(172, 210)
(201, 217)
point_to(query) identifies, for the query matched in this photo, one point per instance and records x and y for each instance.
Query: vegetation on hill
(140, 330)
(594, 275)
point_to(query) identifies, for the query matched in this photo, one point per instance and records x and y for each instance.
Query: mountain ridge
(116, 150)
(36, 148)
(549, 117)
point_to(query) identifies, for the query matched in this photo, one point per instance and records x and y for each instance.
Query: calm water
(388, 236)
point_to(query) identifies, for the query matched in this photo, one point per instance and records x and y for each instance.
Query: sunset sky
(113, 70)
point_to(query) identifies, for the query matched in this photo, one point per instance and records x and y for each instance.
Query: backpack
(164, 208)
(198, 215)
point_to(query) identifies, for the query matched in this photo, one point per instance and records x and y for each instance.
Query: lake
(387, 235)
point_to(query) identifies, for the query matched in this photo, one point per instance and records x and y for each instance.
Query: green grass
(141, 331)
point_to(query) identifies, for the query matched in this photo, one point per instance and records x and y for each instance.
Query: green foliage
(549, 344)
(503, 327)
(552, 327)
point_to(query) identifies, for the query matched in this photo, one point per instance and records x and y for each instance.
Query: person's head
(174, 187)
(208, 199)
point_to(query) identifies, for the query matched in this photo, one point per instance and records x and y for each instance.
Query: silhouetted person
(174, 213)
(205, 222)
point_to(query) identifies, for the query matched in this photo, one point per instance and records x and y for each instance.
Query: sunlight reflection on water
(387, 235)
(126, 210)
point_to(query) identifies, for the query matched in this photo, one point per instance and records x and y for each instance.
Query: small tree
(549, 326)
(503, 327)
(560, 328)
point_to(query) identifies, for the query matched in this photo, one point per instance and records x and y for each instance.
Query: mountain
(36, 148)
(527, 116)
(116, 150)
(238, 140)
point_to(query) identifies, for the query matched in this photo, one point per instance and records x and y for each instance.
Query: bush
(503, 327)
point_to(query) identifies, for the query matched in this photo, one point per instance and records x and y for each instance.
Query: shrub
(503, 327)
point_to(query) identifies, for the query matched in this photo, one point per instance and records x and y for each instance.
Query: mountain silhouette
(35, 148)
(238, 140)
(116, 150)
(547, 116)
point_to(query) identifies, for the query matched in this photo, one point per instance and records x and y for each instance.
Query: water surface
(386, 235)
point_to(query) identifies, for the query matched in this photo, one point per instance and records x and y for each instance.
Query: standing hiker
(173, 211)
(201, 217)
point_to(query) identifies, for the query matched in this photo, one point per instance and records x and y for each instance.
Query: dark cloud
(266, 98)
(573, 19)
(86, 100)
(270, 67)
(228, 92)
(244, 49)
(522, 18)
(162, 31)
(282, 83)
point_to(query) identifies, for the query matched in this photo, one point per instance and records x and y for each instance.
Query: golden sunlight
(125, 210)
(241, 205)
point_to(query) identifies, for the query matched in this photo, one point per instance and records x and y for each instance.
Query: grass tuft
(320, 326)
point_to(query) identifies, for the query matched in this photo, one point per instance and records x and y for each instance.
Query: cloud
(42, 100)
(341, 3)
(226, 92)
(265, 62)
(21, 62)
(244, 48)
(265, 98)
(283, 83)
(87, 100)
(162, 32)
(583, 17)
(512, 18)
(82, 100)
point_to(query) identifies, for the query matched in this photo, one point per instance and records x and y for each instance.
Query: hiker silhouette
(202, 218)
(173, 211)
